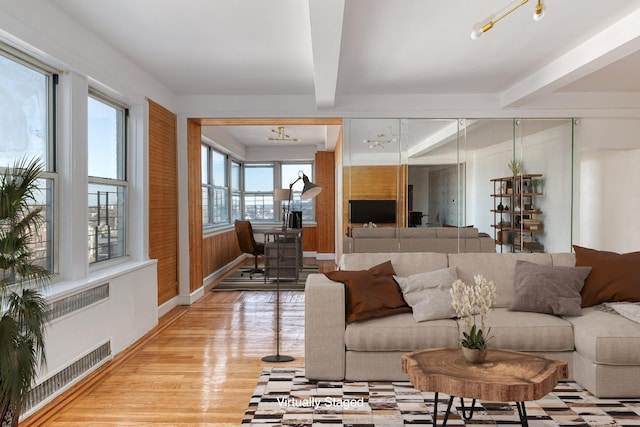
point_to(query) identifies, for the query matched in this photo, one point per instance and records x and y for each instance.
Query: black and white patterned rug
(285, 397)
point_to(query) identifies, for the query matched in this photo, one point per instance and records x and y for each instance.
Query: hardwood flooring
(198, 367)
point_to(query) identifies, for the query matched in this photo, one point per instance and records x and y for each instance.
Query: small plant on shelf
(515, 166)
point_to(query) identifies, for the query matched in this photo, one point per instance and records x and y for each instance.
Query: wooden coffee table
(505, 376)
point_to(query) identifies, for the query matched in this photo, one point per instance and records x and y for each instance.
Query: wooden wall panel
(163, 199)
(219, 250)
(374, 182)
(194, 177)
(326, 201)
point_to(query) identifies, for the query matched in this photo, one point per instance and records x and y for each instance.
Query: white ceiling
(344, 52)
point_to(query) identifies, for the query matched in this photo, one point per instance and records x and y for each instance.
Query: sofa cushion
(370, 293)
(417, 233)
(548, 289)
(400, 333)
(497, 267)
(374, 232)
(428, 294)
(606, 338)
(526, 331)
(613, 277)
(404, 264)
(454, 232)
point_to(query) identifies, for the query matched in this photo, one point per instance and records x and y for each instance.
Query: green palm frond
(22, 306)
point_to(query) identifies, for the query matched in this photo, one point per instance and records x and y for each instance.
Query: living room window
(107, 178)
(258, 191)
(27, 131)
(289, 173)
(215, 188)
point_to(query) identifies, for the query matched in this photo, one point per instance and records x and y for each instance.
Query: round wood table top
(505, 376)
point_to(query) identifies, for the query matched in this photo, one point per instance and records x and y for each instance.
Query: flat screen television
(376, 211)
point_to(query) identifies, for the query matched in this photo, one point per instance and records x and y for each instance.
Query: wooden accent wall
(325, 201)
(219, 250)
(163, 198)
(374, 182)
(194, 177)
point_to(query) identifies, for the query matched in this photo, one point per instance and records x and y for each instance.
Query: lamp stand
(278, 357)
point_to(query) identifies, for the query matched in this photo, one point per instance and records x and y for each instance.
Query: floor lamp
(309, 191)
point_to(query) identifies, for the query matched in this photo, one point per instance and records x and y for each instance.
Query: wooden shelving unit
(517, 221)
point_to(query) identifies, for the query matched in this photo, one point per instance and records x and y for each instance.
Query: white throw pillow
(428, 293)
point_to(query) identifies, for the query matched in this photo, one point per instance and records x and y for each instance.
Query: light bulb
(540, 11)
(475, 34)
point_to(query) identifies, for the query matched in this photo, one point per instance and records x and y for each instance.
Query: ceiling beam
(326, 35)
(617, 41)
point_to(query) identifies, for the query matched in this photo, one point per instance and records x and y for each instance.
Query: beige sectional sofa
(602, 349)
(418, 239)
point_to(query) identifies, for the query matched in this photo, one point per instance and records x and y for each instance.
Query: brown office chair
(248, 245)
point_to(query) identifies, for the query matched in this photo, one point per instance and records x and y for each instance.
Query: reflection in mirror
(454, 176)
(372, 170)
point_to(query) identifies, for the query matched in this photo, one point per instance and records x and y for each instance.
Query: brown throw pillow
(614, 277)
(370, 293)
(548, 289)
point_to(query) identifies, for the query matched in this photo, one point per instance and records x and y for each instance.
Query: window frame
(50, 174)
(121, 182)
(211, 223)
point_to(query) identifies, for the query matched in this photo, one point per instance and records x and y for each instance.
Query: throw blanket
(630, 310)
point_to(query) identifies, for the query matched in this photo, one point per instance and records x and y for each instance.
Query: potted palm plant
(23, 309)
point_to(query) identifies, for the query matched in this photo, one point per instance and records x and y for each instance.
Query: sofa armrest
(324, 325)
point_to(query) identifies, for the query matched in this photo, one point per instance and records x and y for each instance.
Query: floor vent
(51, 385)
(77, 301)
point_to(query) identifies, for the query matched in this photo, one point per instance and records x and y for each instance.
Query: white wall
(547, 152)
(609, 202)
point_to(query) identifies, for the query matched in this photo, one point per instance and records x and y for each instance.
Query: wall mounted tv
(376, 211)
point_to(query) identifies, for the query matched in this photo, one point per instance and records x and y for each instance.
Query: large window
(290, 173)
(27, 114)
(258, 192)
(215, 187)
(107, 178)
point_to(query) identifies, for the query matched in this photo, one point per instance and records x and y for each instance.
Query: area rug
(236, 282)
(285, 397)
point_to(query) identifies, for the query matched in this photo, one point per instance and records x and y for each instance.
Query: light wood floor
(198, 367)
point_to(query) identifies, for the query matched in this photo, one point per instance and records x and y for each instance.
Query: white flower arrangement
(468, 301)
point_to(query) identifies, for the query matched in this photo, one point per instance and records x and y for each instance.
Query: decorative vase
(474, 355)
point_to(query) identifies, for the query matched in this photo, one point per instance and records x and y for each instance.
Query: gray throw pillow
(428, 293)
(548, 289)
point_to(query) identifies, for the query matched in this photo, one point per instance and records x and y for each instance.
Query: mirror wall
(455, 173)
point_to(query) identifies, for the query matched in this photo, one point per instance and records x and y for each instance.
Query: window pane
(221, 203)
(236, 208)
(24, 100)
(204, 157)
(219, 164)
(235, 176)
(205, 205)
(291, 172)
(106, 140)
(106, 221)
(258, 207)
(258, 178)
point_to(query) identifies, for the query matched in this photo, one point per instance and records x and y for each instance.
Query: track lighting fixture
(538, 14)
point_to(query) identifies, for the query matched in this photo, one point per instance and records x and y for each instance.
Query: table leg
(465, 415)
(522, 412)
